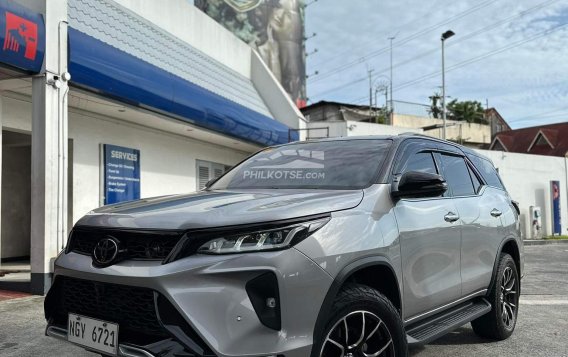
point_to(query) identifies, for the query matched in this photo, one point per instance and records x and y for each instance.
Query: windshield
(342, 164)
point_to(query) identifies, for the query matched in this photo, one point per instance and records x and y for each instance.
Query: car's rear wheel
(500, 323)
(363, 323)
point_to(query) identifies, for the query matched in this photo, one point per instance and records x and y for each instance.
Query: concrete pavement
(542, 328)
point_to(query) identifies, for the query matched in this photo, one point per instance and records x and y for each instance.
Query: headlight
(262, 240)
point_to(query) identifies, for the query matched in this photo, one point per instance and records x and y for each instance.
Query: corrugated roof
(527, 140)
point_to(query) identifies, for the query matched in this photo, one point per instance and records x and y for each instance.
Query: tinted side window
(457, 175)
(422, 161)
(488, 172)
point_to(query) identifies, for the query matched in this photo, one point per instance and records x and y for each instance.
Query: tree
(468, 111)
(435, 106)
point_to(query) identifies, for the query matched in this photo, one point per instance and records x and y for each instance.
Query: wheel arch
(511, 247)
(361, 271)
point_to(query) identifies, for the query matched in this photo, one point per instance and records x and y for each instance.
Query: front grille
(136, 244)
(133, 308)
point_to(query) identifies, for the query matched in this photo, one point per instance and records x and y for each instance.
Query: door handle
(496, 213)
(451, 217)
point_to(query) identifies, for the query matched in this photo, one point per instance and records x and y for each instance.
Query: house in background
(332, 119)
(549, 140)
(496, 121)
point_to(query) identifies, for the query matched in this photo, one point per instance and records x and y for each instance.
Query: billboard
(121, 174)
(275, 28)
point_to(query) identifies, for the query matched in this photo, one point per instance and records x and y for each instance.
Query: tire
(384, 330)
(500, 322)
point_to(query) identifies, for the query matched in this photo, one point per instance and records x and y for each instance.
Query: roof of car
(397, 139)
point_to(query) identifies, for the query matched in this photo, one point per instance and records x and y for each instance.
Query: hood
(221, 208)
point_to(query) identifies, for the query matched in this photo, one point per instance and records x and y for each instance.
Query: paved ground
(542, 329)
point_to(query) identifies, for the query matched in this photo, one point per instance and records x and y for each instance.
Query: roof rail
(410, 133)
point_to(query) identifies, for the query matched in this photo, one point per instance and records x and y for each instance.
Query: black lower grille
(133, 308)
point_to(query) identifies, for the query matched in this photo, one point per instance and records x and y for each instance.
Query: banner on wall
(22, 37)
(121, 174)
(555, 193)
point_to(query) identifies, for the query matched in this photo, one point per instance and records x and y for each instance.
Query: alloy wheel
(358, 334)
(508, 297)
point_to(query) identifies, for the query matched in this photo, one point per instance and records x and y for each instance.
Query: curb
(544, 241)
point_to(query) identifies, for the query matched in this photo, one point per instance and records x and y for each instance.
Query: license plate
(94, 334)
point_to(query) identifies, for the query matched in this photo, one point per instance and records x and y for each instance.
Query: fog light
(264, 296)
(271, 302)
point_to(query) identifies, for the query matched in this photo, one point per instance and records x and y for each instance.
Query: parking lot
(542, 328)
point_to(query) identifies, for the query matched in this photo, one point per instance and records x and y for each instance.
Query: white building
(158, 79)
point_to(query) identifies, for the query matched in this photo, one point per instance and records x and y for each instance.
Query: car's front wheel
(500, 323)
(363, 323)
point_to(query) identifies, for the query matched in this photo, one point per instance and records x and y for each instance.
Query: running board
(438, 325)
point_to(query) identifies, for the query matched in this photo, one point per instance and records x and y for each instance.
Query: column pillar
(49, 151)
(1, 152)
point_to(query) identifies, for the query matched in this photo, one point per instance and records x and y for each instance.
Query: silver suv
(337, 248)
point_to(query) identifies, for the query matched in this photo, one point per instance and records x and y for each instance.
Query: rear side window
(457, 175)
(488, 171)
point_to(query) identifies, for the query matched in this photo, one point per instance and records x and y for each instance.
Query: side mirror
(416, 184)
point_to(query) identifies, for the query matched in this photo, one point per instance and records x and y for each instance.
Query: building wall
(359, 128)
(323, 113)
(16, 201)
(527, 178)
(183, 20)
(167, 161)
(354, 128)
(470, 132)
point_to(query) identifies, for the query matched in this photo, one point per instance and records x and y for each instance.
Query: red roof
(550, 140)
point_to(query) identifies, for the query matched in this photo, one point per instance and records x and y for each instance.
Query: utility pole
(370, 71)
(391, 80)
(491, 123)
(445, 36)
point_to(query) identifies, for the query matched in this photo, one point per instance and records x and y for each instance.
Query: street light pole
(445, 36)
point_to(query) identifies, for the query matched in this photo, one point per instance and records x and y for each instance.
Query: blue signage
(122, 174)
(555, 191)
(22, 37)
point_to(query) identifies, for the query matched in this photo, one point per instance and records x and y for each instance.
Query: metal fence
(410, 108)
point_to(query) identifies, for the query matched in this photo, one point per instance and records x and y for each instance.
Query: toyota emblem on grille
(106, 251)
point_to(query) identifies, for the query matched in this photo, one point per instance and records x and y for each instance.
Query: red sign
(21, 36)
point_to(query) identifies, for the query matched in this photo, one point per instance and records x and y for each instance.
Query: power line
(475, 33)
(417, 34)
(470, 60)
(403, 41)
(481, 57)
(453, 43)
(542, 115)
(342, 86)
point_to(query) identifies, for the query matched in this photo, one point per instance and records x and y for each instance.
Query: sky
(511, 53)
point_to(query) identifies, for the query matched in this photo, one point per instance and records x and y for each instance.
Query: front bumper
(209, 293)
(124, 350)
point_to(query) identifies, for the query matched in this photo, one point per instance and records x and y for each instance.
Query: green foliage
(556, 237)
(470, 111)
(436, 106)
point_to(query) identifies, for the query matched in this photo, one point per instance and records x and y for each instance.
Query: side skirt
(433, 327)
